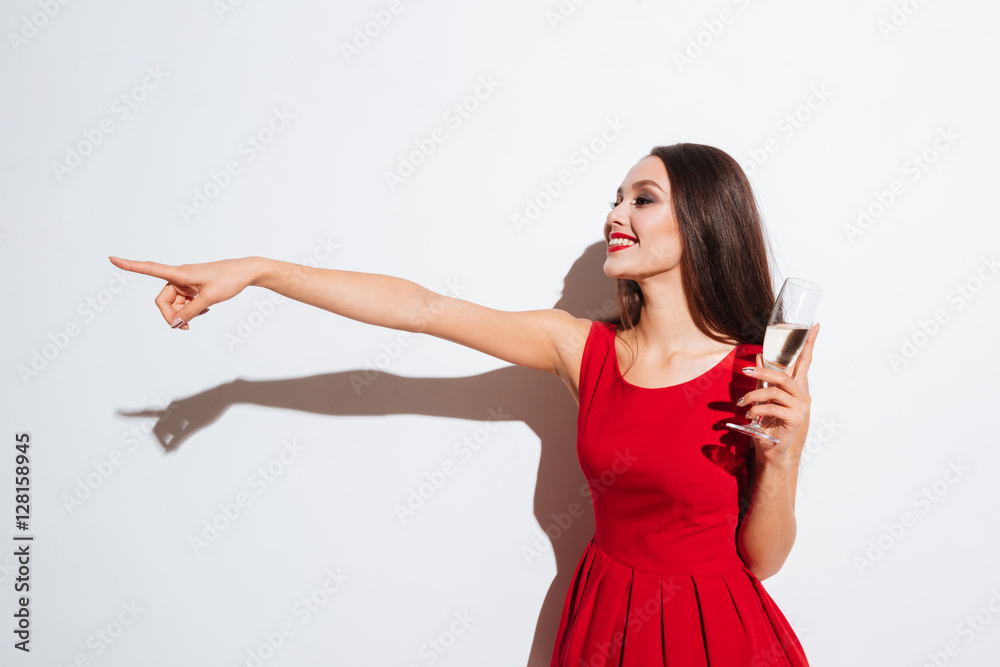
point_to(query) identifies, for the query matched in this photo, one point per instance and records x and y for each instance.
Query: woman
(690, 516)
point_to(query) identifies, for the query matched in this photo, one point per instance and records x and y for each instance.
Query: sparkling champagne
(782, 345)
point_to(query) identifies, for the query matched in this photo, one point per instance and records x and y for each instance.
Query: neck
(666, 325)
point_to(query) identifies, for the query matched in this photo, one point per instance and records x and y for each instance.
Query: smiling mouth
(621, 241)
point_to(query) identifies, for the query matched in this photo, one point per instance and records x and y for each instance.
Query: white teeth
(621, 241)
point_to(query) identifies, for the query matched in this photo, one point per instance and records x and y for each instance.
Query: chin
(623, 275)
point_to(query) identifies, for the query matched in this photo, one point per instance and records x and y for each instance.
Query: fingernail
(750, 370)
(740, 402)
(176, 323)
(747, 415)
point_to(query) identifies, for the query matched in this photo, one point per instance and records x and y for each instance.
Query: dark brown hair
(724, 258)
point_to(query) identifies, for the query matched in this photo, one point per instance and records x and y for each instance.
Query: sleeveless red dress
(662, 582)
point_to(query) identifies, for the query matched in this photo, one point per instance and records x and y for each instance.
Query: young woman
(690, 516)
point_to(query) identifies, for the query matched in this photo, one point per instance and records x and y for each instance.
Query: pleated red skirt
(619, 616)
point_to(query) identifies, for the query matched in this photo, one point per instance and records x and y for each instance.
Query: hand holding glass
(791, 319)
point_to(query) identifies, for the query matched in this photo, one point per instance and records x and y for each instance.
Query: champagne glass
(791, 319)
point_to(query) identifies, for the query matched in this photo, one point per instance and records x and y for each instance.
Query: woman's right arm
(549, 339)
(543, 339)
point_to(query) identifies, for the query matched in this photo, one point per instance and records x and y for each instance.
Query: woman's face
(641, 231)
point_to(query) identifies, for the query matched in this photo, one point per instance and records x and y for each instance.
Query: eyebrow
(639, 184)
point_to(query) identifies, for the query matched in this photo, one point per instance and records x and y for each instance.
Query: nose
(616, 216)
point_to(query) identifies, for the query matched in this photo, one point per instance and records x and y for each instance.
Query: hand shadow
(540, 400)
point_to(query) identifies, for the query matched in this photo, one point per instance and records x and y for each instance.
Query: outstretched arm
(550, 340)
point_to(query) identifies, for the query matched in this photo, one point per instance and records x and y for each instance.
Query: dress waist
(680, 559)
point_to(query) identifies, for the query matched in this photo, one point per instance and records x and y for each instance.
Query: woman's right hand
(192, 288)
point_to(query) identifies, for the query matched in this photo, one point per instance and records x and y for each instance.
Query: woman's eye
(638, 201)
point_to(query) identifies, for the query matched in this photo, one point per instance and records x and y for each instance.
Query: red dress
(662, 583)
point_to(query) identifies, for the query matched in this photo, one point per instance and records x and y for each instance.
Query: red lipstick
(619, 235)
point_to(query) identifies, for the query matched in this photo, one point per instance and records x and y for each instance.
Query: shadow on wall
(540, 400)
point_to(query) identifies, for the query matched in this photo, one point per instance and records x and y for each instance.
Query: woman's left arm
(767, 533)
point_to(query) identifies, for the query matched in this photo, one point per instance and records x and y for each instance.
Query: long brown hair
(724, 258)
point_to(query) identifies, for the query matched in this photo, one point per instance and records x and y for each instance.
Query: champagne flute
(791, 319)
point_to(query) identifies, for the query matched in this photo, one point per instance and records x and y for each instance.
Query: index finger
(155, 269)
(805, 357)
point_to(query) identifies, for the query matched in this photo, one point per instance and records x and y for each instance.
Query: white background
(848, 95)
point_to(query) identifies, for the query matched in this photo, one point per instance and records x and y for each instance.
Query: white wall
(884, 428)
